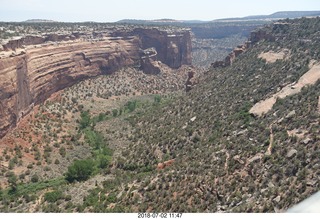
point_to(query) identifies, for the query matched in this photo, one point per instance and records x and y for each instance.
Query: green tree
(12, 180)
(103, 161)
(80, 170)
(94, 139)
(85, 119)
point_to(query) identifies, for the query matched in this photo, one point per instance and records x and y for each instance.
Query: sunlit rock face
(34, 67)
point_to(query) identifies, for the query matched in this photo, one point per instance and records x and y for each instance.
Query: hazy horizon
(107, 11)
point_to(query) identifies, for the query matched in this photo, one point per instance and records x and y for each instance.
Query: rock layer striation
(33, 68)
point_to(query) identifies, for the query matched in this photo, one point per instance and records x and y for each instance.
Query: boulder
(312, 183)
(291, 153)
(190, 81)
(307, 141)
(291, 114)
(150, 66)
(165, 164)
(277, 199)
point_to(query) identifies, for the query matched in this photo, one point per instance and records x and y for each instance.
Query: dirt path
(226, 165)
(271, 140)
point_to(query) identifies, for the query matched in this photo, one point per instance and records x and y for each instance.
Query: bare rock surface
(309, 78)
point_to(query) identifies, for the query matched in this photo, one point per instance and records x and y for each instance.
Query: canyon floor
(46, 141)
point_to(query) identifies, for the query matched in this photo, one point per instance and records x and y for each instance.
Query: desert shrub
(114, 112)
(112, 198)
(131, 105)
(46, 168)
(243, 114)
(53, 196)
(35, 178)
(157, 99)
(52, 207)
(103, 161)
(22, 176)
(101, 117)
(62, 151)
(67, 197)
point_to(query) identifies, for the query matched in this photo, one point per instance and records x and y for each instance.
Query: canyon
(115, 119)
(32, 68)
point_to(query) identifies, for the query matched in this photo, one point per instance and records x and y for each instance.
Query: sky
(114, 10)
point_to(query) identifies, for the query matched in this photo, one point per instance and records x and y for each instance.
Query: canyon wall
(255, 36)
(32, 69)
(173, 47)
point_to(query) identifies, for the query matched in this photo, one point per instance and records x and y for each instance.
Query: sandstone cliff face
(258, 35)
(173, 49)
(39, 71)
(31, 78)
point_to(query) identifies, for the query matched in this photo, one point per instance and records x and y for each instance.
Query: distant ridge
(159, 21)
(274, 16)
(40, 21)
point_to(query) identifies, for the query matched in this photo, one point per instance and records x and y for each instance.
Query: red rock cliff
(173, 48)
(30, 78)
(30, 75)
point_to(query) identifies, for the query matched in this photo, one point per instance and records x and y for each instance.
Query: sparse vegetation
(161, 151)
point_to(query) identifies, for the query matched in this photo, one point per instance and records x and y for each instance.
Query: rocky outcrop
(255, 37)
(173, 47)
(190, 83)
(36, 40)
(307, 79)
(234, 54)
(231, 57)
(148, 61)
(165, 164)
(33, 73)
(260, 34)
